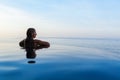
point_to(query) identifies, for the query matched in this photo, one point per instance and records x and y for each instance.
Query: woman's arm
(43, 44)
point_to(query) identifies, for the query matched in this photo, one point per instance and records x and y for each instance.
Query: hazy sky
(61, 18)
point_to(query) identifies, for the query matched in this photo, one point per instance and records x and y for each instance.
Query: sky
(61, 18)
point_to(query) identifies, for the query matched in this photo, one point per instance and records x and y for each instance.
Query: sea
(65, 59)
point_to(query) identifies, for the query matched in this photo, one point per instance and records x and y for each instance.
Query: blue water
(66, 59)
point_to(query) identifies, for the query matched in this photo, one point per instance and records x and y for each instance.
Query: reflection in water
(31, 53)
(31, 62)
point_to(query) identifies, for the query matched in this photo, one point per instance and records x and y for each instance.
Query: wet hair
(29, 42)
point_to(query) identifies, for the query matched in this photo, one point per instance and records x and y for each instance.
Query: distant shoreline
(82, 38)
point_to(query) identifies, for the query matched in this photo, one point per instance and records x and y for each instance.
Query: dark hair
(29, 43)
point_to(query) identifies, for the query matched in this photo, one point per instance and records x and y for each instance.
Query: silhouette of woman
(31, 43)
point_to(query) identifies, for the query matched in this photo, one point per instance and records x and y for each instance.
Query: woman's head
(31, 33)
(29, 42)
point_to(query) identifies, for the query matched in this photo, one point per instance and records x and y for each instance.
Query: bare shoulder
(21, 43)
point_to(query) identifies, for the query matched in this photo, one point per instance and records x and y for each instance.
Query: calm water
(66, 59)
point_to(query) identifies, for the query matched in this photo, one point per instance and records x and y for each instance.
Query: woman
(31, 43)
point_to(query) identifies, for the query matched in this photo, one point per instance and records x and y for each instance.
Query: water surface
(66, 59)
